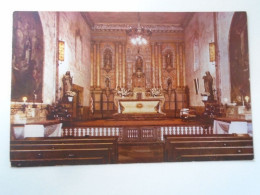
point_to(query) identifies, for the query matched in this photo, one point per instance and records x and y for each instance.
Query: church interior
(129, 87)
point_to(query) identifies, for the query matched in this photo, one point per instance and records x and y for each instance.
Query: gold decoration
(61, 50)
(139, 105)
(212, 52)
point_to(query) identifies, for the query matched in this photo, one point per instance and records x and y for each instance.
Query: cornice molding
(124, 27)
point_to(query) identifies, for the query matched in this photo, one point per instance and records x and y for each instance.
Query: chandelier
(139, 36)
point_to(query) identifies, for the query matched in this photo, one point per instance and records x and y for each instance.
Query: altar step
(157, 116)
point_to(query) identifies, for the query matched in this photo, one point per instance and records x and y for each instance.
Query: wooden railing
(186, 130)
(147, 133)
(90, 131)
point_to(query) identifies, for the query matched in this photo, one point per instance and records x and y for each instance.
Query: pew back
(210, 147)
(56, 151)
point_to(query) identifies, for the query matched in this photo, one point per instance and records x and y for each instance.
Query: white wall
(72, 28)
(203, 25)
(48, 20)
(69, 24)
(223, 25)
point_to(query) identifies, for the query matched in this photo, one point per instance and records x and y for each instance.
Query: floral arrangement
(70, 93)
(123, 92)
(155, 92)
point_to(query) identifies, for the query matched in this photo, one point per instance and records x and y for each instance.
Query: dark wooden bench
(58, 151)
(209, 147)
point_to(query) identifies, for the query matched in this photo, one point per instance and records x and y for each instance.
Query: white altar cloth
(232, 126)
(37, 130)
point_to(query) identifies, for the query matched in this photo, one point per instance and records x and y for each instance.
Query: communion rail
(147, 133)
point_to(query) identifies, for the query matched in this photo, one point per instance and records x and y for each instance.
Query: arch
(238, 56)
(27, 57)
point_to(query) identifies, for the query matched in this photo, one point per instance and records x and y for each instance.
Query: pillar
(98, 66)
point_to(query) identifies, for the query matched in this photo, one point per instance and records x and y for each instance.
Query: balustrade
(152, 133)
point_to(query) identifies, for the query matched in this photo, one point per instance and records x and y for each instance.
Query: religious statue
(138, 79)
(168, 61)
(208, 82)
(107, 60)
(67, 83)
(107, 82)
(169, 84)
(139, 64)
(27, 51)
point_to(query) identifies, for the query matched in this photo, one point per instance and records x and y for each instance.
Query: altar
(140, 102)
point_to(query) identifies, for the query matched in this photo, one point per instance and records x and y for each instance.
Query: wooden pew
(59, 151)
(209, 147)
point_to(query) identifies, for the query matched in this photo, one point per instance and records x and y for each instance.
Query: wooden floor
(140, 152)
(118, 123)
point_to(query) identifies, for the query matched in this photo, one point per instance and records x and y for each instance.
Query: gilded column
(92, 66)
(156, 64)
(160, 64)
(98, 65)
(124, 69)
(120, 64)
(184, 65)
(178, 64)
(95, 65)
(153, 66)
(116, 58)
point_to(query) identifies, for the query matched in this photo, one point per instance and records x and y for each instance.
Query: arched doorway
(239, 62)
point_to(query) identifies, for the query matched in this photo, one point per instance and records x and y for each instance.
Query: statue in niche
(169, 84)
(208, 82)
(168, 61)
(139, 64)
(107, 60)
(107, 82)
(67, 83)
(138, 79)
(107, 88)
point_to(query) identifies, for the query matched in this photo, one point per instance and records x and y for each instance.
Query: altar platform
(122, 122)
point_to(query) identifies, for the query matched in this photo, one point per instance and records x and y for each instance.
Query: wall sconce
(61, 50)
(212, 57)
(24, 104)
(247, 99)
